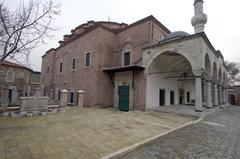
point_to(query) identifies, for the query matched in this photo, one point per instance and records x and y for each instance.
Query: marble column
(215, 92)
(220, 95)
(208, 95)
(223, 96)
(198, 89)
(226, 96)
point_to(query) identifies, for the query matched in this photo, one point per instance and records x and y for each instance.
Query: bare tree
(233, 72)
(23, 29)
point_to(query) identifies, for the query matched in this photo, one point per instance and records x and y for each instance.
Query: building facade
(234, 95)
(137, 66)
(16, 81)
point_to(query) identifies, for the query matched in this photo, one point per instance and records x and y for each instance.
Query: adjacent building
(138, 66)
(16, 81)
(234, 95)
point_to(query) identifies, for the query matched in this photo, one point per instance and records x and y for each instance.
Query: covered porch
(185, 71)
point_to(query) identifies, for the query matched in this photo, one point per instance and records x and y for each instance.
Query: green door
(123, 92)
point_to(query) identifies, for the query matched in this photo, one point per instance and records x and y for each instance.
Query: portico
(181, 70)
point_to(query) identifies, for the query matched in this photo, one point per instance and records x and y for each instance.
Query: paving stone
(201, 141)
(81, 133)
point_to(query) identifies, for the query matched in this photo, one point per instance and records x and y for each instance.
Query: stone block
(43, 113)
(35, 104)
(36, 112)
(29, 114)
(14, 114)
(63, 109)
(23, 113)
(5, 113)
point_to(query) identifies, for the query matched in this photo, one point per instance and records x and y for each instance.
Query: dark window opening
(71, 97)
(48, 69)
(171, 97)
(61, 65)
(10, 95)
(87, 60)
(59, 95)
(126, 58)
(161, 97)
(188, 97)
(73, 63)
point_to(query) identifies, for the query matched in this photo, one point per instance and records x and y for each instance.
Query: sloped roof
(11, 64)
(114, 31)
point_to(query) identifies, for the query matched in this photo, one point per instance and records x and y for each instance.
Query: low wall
(34, 104)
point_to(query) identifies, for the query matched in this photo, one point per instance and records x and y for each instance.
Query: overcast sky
(222, 28)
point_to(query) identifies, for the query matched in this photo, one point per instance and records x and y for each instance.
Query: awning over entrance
(111, 71)
(123, 69)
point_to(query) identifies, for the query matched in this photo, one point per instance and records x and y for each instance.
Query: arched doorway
(232, 99)
(170, 81)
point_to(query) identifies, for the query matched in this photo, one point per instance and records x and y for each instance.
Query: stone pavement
(87, 133)
(187, 110)
(216, 137)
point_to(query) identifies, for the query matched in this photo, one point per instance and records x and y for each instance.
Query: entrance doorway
(71, 97)
(181, 96)
(161, 97)
(10, 95)
(171, 97)
(188, 97)
(232, 99)
(123, 92)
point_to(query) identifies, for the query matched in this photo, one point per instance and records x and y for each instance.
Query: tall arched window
(127, 54)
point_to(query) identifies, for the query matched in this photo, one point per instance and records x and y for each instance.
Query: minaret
(199, 19)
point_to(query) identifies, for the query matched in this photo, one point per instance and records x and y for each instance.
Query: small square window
(88, 59)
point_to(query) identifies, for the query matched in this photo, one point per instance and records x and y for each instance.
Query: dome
(176, 34)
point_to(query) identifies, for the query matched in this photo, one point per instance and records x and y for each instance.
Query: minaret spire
(199, 19)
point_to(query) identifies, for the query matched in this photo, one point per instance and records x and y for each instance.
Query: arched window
(10, 76)
(127, 58)
(127, 54)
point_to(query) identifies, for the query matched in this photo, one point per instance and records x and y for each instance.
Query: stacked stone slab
(34, 105)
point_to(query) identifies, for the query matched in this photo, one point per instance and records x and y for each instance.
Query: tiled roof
(11, 64)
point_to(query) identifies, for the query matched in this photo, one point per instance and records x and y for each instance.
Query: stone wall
(107, 50)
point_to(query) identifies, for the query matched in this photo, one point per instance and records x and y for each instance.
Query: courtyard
(81, 133)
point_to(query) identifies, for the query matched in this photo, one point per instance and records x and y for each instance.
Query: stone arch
(207, 65)
(214, 72)
(169, 61)
(195, 65)
(220, 74)
(224, 77)
(169, 72)
(127, 46)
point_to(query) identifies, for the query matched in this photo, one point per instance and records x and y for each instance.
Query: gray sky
(222, 28)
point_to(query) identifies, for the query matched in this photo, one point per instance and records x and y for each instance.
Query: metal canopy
(123, 69)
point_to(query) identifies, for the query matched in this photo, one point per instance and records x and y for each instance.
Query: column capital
(198, 72)
(207, 77)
